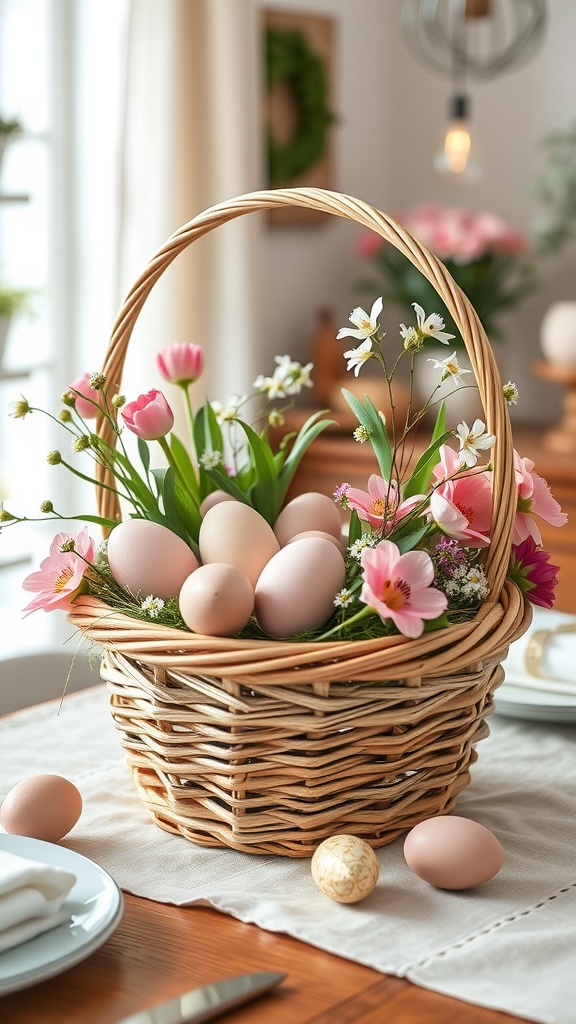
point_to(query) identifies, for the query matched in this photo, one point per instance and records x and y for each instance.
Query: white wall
(392, 116)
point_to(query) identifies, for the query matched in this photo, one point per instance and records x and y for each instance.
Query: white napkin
(31, 898)
(557, 664)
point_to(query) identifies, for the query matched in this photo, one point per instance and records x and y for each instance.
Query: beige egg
(235, 533)
(217, 600)
(296, 589)
(214, 498)
(147, 558)
(41, 807)
(451, 852)
(309, 511)
(319, 533)
(345, 868)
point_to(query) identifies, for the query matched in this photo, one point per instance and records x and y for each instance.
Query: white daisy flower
(431, 326)
(211, 459)
(152, 605)
(366, 325)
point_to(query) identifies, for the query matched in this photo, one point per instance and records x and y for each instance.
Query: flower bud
(181, 363)
(149, 417)
(54, 458)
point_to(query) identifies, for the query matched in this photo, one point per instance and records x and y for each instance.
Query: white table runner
(510, 944)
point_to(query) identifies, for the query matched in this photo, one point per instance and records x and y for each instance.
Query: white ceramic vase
(558, 333)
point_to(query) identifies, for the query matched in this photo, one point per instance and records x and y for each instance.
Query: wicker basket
(270, 747)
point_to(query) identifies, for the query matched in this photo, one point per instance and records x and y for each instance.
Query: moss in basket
(417, 535)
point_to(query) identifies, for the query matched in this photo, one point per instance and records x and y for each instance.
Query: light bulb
(457, 156)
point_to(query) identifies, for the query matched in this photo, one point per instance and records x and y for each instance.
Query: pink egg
(214, 498)
(451, 852)
(309, 511)
(147, 558)
(41, 807)
(296, 589)
(216, 600)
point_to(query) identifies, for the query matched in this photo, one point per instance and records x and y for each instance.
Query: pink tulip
(398, 587)
(87, 402)
(60, 577)
(534, 498)
(181, 363)
(149, 417)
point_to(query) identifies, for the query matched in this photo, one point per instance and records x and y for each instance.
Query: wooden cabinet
(335, 457)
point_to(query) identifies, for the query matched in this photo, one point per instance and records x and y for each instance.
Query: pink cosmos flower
(462, 506)
(181, 363)
(381, 504)
(534, 498)
(399, 587)
(60, 577)
(87, 402)
(532, 570)
(150, 416)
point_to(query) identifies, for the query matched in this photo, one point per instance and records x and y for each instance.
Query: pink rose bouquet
(488, 259)
(417, 533)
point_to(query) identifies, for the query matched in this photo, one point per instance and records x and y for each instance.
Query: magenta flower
(150, 416)
(531, 569)
(181, 363)
(534, 498)
(88, 400)
(381, 504)
(399, 587)
(61, 576)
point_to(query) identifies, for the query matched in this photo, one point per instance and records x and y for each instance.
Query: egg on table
(296, 588)
(451, 852)
(148, 558)
(41, 807)
(345, 868)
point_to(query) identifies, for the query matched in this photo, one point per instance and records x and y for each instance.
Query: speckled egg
(345, 868)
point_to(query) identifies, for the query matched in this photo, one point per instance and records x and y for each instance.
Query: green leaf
(265, 491)
(369, 417)
(185, 466)
(207, 437)
(419, 481)
(308, 432)
(409, 540)
(144, 452)
(354, 528)
(182, 515)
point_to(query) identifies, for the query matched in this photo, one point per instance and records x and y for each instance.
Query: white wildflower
(511, 393)
(358, 356)
(211, 459)
(343, 598)
(450, 368)
(367, 540)
(472, 440)
(366, 324)
(152, 605)
(431, 326)
(229, 412)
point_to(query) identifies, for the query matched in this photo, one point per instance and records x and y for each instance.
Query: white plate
(94, 905)
(536, 705)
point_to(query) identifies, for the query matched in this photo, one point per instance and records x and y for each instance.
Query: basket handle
(462, 311)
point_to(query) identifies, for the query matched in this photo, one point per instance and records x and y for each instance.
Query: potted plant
(12, 302)
(9, 128)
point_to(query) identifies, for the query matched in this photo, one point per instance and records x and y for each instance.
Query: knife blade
(208, 1002)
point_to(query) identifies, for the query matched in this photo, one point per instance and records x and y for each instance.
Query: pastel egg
(213, 499)
(235, 533)
(296, 588)
(309, 511)
(41, 807)
(319, 533)
(216, 600)
(147, 558)
(345, 868)
(451, 852)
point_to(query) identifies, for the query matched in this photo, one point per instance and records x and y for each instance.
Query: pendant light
(464, 40)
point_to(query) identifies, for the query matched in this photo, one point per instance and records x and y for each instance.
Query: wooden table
(159, 951)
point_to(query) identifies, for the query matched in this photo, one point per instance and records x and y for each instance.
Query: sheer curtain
(192, 138)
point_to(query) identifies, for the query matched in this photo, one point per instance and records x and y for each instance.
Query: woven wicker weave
(271, 746)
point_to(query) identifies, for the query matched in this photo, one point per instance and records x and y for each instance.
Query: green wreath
(290, 60)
